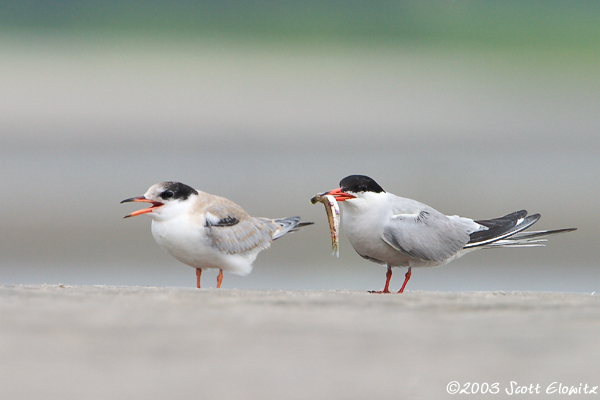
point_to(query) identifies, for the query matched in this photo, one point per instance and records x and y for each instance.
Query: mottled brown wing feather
(233, 231)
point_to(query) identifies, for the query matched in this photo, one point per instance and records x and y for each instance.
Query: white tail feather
(527, 239)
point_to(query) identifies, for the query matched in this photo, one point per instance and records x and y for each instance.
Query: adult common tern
(399, 232)
(207, 231)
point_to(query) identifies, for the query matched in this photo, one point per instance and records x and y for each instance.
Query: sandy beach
(98, 342)
(476, 109)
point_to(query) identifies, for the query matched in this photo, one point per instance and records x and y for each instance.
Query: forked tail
(528, 239)
(288, 225)
(507, 231)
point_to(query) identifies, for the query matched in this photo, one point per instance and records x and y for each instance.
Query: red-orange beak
(142, 199)
(339, 195)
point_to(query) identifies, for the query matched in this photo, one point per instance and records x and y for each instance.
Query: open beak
(339, 195)
(142, 199)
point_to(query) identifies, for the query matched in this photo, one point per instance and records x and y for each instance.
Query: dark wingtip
(565, 230)
(301, 224)
(533, 217)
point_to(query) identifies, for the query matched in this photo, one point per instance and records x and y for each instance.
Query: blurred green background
(477, 108)
(482, 22)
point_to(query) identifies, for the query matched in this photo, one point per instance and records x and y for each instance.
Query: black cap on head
(360, 183)
(177, 190)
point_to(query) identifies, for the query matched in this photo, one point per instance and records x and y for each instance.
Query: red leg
(198, 275)
(388, 277)
(406, 278)
(219, 278)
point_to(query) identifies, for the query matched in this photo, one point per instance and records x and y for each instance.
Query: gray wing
(429, 235)
(231, 230)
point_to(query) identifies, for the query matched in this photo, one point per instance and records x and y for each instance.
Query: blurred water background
(477, 108)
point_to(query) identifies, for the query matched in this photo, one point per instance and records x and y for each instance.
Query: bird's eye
(167, 194)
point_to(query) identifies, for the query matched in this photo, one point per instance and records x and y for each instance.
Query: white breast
(189, 244)
(364, 220)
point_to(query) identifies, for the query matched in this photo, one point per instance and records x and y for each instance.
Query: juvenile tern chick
(206, 231)
(399, 232)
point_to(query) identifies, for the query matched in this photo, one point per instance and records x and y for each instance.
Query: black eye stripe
(167, 194)
(176, 190)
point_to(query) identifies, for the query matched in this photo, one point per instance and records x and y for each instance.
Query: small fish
(333, 217)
